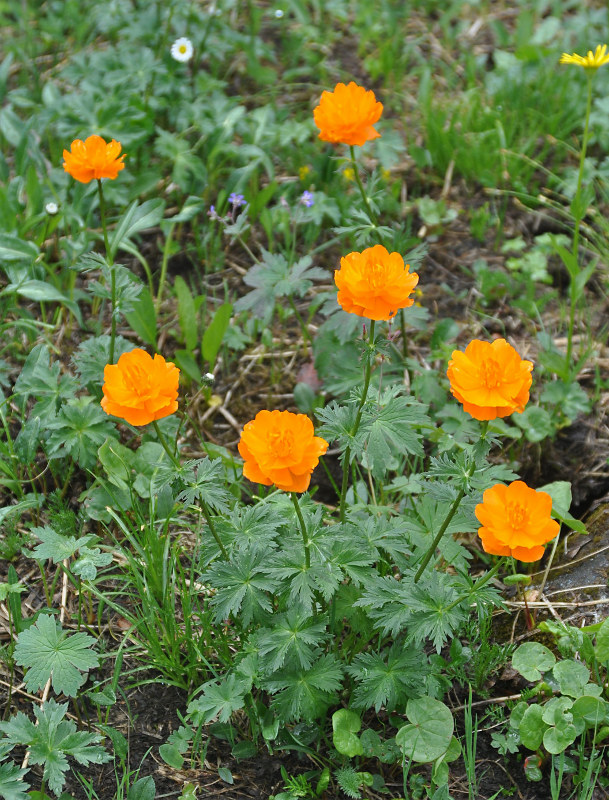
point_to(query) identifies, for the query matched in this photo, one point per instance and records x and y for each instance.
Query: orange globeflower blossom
(93, 159)
(140, 389)
(374, 283)
(516, 521)
(281, 447)
(347, 115)
(490, 379)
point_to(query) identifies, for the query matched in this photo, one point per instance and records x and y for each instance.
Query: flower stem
(110, 262)
(358, 419)
(360, 186)
(303, 530)
(166, 249)
(171, 453)
(578, 219)
(204, 506)
(451, 513)
(527, 614)
(477, 585)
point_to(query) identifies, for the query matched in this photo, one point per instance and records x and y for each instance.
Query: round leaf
(556, 710)
(572, 677)
(602, 641)
(430, 732)
(558, 738)
(532, 727)
(531, 659)
(345, 725)
(589, 709)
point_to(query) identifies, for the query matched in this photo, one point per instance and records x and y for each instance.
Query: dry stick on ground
(62, 616)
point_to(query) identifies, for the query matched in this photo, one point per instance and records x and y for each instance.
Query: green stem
(358, 419)
(440, 534)
(360, 186)
(479, 583)
(578, 219)
(403, 332)
(303, 327)
(527, 614)
(212, 527)
(303, 530)
(171, 453)
(204, 506)
(110, 262)
(164, 262)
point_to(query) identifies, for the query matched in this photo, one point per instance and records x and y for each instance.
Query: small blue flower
(212, 213)
(306, 198)
(236, 200)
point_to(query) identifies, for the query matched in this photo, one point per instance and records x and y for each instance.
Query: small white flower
(279, 13)
(51, 208)
(182, 49)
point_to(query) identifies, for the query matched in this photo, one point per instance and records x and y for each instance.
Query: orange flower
(374, 283)
(490, 379)
(281, 448)
(139, 388)
(516, 521)
(93, 158)
(347, 115)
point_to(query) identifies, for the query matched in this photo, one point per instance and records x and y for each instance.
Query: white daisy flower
(51, 208)
(182, 49)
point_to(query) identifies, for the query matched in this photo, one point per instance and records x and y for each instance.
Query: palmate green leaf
(219, 699)
(394, 429)
(431, 617)
(296, 583)
(273, 278)
(374, 535)
(52, 739)
(305, 693)
(48, 652)
(337, 424)
(42, 379)
(92, 355)
(203, 480)
(353, 557)
(387, 603)
(295, 638)
(255, 525)
(88, 562)
(56, 547)
(10, 588)
(127, 289)
(12, 785)
(388, 679)
(426, 520)
(243, 586)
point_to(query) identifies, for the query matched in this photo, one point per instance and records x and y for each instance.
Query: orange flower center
(491, 373)
(377, 277)
(517, 516)
(281, 443)
(137, 378)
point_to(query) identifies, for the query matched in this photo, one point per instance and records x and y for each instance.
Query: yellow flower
(349, 174)
(592, 61)
(303, 172)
